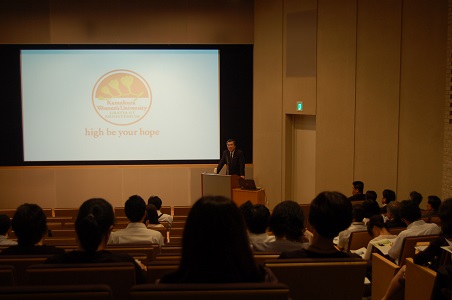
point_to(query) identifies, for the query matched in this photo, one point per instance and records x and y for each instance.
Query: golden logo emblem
(122, 97)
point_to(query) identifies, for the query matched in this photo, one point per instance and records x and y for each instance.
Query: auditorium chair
(419, 281)
(358, 239)
(21, 263)
(120, 277)
(383, 270)
(223, 291)
(62, 292)
(321, 278)
(7, 275)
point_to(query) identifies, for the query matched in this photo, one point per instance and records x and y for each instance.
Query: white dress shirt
(136, 233)
(344, 235)
(417, 228)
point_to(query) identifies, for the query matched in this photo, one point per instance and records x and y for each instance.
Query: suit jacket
(236, 164)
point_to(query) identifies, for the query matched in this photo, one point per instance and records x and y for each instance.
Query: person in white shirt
(256, 218)
(136, 231)
(357, 225)
(5, 227)
(157, 202)
(377, 228)
(410, 213)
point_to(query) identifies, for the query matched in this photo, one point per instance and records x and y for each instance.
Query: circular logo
(122, 97)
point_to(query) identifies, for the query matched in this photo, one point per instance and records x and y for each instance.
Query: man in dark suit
(234, 159)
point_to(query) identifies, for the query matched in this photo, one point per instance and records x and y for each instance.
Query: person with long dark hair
(93, 226)
(215, 246)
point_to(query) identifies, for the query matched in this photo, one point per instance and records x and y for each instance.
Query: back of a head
(445, 214)
(5, 224)
(135, 208)
(330, 213)
(410, 211)
(94, 220)
(370, 208)
(393, 208)
(259, 217)
(416, 197)
(371, 195)
(287, 221)
(434, 202)
(29, 224)
(152, 214)
(156, 201)
(359, 185)
(389, 195)
(358, 212)
(215, 245)
(375, 220)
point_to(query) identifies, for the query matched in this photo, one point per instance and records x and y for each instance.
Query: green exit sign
(299, 106)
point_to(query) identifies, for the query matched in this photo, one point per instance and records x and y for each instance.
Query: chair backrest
(224, 291)
(156, 269)
(419, 281)
(7, 275)
(358, 239)
(165, 209)
(261, 257)
(66, 292)
(409, 243)
(383, 270)
(66, 212)
(60, 241)
(181, 210)
(21, 263)
(321, 278)
(150, 250)
(119, 276)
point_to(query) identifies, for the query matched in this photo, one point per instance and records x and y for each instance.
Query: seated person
(410, 213)
(416, 197)
(329, 214)
(30, 226)
(157, 202)
(93, 227)
(431, 256)
(136, 231)
(377, 228)
(5, 228)
(433, 204)
(215, 246)
(287, 224)
(357, 225)
(370, 208)
(393, 217)
(152, 220)
(357, 191)
(256, 219)
(388, 197)
(371, 195)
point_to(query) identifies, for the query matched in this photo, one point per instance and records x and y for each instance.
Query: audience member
(357, 225)
(371, 195)
(136, 231)
(93, 227)
(388, 197)
(5, 228)
(157, 202)
(30, 226)
(416, 197)
(357, 191)
(215, 246)
(256, 220)
(430, 257)
(393, 219)
(329, 214)
(287, 224)
(410, 213)
(152, 220)
(433, 204)
(378, 230)
(370, 208)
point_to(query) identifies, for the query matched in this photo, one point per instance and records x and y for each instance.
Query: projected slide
(94, 105)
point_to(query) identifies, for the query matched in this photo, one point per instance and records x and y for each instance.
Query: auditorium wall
(370, 75)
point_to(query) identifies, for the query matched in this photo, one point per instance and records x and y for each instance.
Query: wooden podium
(240, 196)
(218, 185)
(228, 186)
